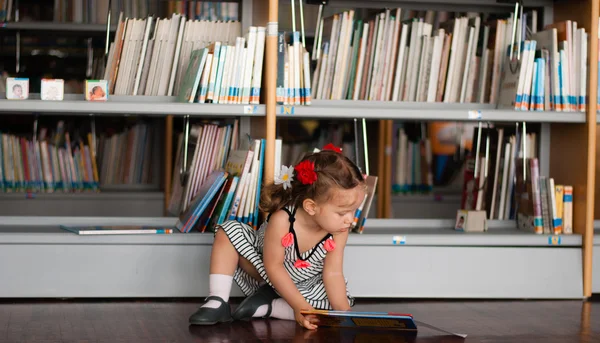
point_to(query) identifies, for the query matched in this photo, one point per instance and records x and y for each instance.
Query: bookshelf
(501, 263)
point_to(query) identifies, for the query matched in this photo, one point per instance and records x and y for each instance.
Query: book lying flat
(370, 320)
(184, 224)
(116, 230)
(362, 319)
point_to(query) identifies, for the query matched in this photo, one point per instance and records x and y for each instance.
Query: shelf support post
(270, 85)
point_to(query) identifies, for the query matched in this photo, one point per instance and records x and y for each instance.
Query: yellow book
(559, 191)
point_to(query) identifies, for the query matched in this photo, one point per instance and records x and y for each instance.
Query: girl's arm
(333, 274)
(273, 255)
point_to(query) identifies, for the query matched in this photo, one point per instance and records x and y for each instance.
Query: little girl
(294, 261)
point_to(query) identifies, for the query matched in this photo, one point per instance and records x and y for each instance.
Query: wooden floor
(151, 321)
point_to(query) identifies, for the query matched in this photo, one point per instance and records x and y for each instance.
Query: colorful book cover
(383, 320)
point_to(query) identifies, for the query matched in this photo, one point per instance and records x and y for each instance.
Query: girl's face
(336, 214)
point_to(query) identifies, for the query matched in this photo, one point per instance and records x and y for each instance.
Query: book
(116, 230)
(370, 320)
(384, 320)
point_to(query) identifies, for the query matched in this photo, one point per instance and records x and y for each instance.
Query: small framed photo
(96, 90)
(53, 89)
(17, 88)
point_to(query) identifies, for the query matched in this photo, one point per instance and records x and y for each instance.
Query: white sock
(281, 310)
(261, 311)
(219, 285)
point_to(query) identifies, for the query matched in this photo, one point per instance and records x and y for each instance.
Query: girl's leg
(224, 260)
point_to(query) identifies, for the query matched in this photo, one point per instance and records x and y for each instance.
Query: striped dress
(305, 270)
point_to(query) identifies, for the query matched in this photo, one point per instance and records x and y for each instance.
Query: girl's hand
(304, 321)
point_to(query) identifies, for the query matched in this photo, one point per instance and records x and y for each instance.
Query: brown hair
(333, 169)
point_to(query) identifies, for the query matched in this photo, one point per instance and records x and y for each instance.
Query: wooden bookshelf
(490, 262)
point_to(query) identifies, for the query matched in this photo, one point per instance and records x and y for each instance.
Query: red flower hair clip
(332, 147)
(305, 172)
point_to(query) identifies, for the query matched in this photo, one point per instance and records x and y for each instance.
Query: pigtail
(274, 197)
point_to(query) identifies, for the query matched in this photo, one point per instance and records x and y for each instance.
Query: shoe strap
(269, 308)
(214, 297)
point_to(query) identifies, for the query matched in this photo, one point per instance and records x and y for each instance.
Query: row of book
(492, 168)
(210, 148)
(293, 70)
(550, 74)
(226, 74)
(544, 206)
(502, 177)
(96, 11)
(48, 163)
(403, 55)
(130, 157)
(205, 10)
(413, 165)
(76, 160)
(150, 56)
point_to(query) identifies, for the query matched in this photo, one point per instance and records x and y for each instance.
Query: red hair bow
(332, 147)
(305, 172)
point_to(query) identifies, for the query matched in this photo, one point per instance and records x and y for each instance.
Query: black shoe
(211, 316)
(264, 295)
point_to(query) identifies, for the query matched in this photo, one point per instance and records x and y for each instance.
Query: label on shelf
(554, 240)
(250, 109)
(286, 110)
(474, 114)
(399, 240)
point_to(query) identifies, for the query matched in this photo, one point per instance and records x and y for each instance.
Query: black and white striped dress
(308, 278)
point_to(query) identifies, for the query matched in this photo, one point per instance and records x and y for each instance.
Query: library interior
(146, 143)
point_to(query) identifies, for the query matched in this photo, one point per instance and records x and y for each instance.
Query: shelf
(46, 26)
(85, 204)
(440, 5)
(46, 230)
(433, 232)
(73, 266)
(328, 109)
(120, 105)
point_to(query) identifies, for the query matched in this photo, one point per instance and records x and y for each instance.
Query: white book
(361, 62)
(249, 65)
(168, 71)
(507, 153)
(258, 66)
(397, 91)
(142, 59)
(436, 61)
(468, 64)
(388, 81)
(212, 82)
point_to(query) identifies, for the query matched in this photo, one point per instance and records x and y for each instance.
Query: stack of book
(151, 57)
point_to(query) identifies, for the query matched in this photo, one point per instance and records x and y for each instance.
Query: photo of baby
(17, 88)
(96, 90)
(52, 89)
